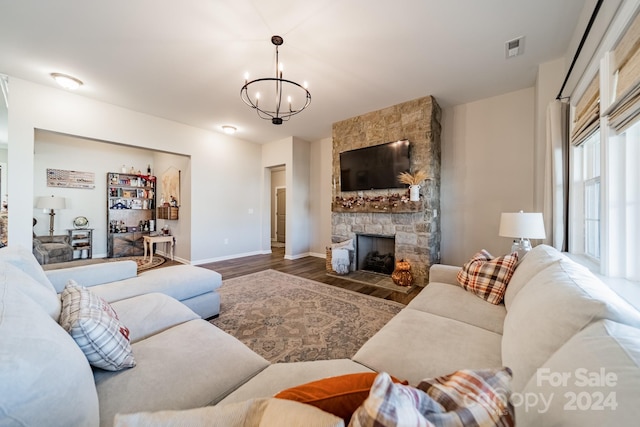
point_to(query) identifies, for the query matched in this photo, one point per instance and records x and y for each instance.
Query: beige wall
(320, 189)
(487, 168)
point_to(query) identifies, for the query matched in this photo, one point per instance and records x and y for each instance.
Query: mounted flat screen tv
(374, 168)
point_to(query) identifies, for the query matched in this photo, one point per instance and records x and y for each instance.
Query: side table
(149, 241)
(82, 241)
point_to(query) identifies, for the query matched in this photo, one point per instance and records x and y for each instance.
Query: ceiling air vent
(514, 47)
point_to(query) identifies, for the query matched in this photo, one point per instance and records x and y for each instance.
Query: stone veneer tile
(417, 235)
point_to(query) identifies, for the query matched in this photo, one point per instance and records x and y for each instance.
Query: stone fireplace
(414, 227)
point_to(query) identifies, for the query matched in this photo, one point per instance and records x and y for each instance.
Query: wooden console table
(149, 241)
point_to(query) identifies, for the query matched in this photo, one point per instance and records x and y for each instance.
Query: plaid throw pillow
(486, 276)
(472, 397)
(95, 327)
(464, 398)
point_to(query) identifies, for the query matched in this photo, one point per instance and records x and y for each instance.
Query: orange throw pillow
(340, 395)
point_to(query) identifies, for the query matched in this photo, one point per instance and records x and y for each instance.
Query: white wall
(487, 168)
(224, 175)
(294, 154)
(320, 189)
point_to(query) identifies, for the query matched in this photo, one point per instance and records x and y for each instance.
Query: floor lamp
(51, 203)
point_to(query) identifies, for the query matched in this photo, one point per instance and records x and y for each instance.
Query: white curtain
(556, 175)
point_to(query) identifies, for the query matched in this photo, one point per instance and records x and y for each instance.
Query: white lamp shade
(52, 202)
(522, 225)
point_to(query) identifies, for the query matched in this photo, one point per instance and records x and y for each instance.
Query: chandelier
(270, 107)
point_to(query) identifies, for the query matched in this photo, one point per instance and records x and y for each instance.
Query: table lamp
(51, 203)
(522, 226)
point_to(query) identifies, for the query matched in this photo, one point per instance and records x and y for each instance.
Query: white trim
(318, 255)
(228, 257)
(294, 257)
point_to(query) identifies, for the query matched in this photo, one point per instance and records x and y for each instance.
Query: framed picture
(171, 186)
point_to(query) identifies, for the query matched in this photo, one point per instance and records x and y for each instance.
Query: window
(591, 188)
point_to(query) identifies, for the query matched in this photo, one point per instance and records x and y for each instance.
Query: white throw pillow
(95, 327)
(347, 244)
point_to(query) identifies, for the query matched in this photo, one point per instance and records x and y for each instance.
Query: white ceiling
(185, 60)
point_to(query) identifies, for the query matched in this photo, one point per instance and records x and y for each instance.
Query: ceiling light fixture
(66, 81)
(271, 110)
(228, 129)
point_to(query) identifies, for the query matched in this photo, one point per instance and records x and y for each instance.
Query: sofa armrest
(444, 274)
(93, 274)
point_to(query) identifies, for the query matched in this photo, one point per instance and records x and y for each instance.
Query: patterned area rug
(286, 318)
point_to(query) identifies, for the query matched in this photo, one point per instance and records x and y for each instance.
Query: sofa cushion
(24, 260)
(263, 412)
(414, 345)
(452, 301)
(280, 376)
(44, 296)
(486, 276)
(149, 314)
(536, 260)
(557, 303)
(593, 379)
(192, 281)
(45, 380)
(340, 395)
(94, 325)
(190, 365)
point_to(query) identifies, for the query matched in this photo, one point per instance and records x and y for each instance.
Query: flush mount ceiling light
(66, 81)
(228, 129)
(275, 89)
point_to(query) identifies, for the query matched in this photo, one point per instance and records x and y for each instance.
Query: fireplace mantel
(379, 206)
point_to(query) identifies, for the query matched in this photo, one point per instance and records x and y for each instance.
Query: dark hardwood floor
(309, 267)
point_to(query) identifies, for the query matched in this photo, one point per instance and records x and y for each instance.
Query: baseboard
(298, 256)
(228, 257)
(318, 255)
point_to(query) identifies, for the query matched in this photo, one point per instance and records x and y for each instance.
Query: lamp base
(521, 246)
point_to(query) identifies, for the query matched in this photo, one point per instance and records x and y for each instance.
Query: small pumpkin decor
(401, 276)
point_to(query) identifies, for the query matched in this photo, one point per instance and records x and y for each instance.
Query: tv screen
(374, 168)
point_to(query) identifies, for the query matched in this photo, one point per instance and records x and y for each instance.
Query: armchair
(52, 249)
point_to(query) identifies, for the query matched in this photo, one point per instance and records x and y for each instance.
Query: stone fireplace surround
(415, 226)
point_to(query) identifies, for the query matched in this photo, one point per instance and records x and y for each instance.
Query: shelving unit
(131, 207)
(82, 240)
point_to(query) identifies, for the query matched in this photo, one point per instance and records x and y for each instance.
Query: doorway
(278, 207)
(281, 215)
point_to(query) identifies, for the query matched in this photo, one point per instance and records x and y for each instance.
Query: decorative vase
(401, 276)
(414, 193)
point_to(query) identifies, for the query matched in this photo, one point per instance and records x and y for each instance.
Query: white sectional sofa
(572, 344)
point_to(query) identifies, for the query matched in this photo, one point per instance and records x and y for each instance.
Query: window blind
(625, 109)
(587, 113)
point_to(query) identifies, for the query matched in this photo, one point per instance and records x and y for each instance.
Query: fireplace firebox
(375, 253)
